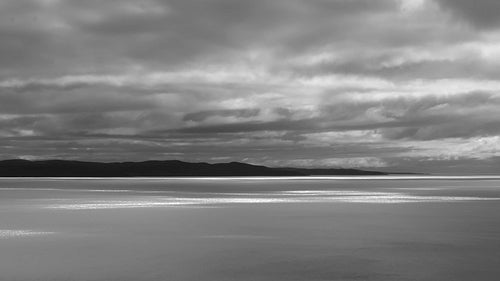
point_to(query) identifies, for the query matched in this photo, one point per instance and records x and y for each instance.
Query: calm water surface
(249, 229)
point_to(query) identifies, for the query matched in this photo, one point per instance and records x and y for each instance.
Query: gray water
(249, 229)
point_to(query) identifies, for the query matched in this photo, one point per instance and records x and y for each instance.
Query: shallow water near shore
(250, 229)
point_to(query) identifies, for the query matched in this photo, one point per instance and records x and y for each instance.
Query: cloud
(239, 113)
(252, 126)
(380, 82)
(356, 162)
(480, 13)
(479, 148)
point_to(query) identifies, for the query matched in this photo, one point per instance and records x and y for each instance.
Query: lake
(372, 228)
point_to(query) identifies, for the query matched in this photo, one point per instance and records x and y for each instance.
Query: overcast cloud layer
(400, 85)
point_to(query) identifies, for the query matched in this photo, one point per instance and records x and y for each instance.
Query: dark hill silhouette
(170, 168)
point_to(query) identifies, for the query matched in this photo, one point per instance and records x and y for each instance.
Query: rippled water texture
(250, 229)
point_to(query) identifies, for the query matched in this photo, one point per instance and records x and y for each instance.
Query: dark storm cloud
(38, 34)
(240, 113)
(279, 125)
(423, 118)
(420, 118)
(425, 68)
(71, 100)
(480, 13)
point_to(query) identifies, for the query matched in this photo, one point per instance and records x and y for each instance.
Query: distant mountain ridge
(155, 168)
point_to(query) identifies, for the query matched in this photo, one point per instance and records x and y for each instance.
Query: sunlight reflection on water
(296, 196)
(14, 233)
(229, 229)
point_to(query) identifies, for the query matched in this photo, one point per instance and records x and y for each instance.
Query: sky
(391, 85)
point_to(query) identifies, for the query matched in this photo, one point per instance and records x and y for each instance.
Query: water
(249, 229)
